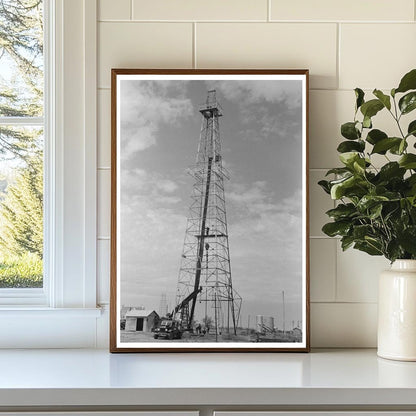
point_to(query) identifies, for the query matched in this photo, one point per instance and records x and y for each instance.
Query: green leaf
(342, 211)
(368, 248)
(407, 239)
(338, 189)
(399, 148)
(383, 145)
(375, 211)
(348, 158)
(361, 231)
(391, 170)
(411, 130)
(325, 186)
(408, 161)
(408, 102)
(408, 82)
(359, 165)
(367, 122)
(353, 187)
(375, 136)
(359, 95)
(349, 146)
(371, 108)
(368, 201)
(336, 228)
(350, 131)
(346, 242)
(393, 250)
(385, 99)
(338, 171)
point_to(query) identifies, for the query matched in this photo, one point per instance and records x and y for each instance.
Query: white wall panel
(340, 10)
(259, 45)
(340, 56)
(388, 54)
(104, 203)
(104, 128)
(323, 269)
(200, 10)
(142, 45)
(114, 10)
(348, 325)
(357, 275)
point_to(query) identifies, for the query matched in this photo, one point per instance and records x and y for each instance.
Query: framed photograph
(209, 211)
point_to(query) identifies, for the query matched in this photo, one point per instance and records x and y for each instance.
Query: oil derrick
(205, 272)
(163, 305)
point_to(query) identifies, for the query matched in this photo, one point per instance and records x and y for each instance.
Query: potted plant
(376, 207)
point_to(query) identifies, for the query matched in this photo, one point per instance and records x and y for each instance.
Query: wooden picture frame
(226, 270)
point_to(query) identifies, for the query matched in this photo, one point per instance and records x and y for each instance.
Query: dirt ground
(127, 336)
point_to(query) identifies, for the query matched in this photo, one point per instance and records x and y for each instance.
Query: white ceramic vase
(397, 312)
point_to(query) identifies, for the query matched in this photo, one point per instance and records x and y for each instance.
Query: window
(22, 128)
(63, 313)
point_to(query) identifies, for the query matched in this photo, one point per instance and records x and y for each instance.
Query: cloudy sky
(261, 133)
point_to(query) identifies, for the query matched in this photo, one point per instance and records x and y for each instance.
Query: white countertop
(92, 377)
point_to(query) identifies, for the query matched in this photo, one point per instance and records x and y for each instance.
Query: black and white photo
(209, 211)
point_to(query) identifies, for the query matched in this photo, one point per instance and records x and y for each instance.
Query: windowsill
(59, 378)
(37, 311)
(41, 327)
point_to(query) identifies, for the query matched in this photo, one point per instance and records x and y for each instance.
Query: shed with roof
(141, 320)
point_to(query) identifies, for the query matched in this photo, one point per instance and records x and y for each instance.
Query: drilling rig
(205, 289)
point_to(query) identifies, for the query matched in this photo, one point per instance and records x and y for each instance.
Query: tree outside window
(21, 143)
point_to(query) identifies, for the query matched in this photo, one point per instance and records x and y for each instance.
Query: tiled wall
(344, 43)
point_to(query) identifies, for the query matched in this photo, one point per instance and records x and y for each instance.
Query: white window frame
(29, 317)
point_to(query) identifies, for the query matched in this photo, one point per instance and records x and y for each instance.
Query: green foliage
(376, 210)
(21, 271)
(21, 213)
(21, 148)
(21, 87)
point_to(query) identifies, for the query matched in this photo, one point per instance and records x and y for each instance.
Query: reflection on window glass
(21, 145)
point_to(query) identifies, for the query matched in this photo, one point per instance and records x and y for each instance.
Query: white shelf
(39, 378)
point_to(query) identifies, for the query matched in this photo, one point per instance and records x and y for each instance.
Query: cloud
(144, 106)
(166, 185)
(152, 230)
(254, 92)
(265, 243)
(269, 110)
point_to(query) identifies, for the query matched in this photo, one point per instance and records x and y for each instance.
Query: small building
(297, 332)
(141, 320)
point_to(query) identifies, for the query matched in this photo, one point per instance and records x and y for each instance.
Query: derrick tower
(205, 273)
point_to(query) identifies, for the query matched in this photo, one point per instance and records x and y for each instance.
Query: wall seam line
(338, 65)
(335, 254)
(305, 22)
(323, 302)
(194, 63)
(269, 10)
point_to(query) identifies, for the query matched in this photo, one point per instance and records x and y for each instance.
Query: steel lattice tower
(204, 285)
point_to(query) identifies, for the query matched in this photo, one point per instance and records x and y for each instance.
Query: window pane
(21, 207)
(21, 58)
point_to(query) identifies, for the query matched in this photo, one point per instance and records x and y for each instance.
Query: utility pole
(284, 313)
